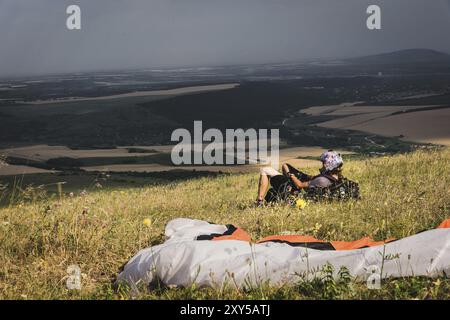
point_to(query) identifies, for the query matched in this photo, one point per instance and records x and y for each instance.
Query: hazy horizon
(198, 33)
(175, 67)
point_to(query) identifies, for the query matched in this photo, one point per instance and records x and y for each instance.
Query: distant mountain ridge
(404, 56)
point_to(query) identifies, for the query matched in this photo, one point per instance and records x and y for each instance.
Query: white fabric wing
(181, 260)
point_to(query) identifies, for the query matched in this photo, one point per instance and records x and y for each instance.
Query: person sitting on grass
(330, 172)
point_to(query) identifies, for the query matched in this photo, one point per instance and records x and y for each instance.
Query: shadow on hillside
(38, 187)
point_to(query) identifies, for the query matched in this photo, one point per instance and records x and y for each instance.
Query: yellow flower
(300, 204)
(147, 222)
(437, 283)
(317, 228)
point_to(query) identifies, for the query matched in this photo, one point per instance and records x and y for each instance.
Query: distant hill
(405, 56)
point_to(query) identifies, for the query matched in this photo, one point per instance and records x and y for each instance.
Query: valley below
(61, 128)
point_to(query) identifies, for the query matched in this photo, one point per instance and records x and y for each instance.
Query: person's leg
(285, 168)
(263, 186)
(264, 179)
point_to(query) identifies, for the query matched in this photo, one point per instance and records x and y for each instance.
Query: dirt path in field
(169, 92)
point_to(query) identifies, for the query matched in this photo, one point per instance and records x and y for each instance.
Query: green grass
(101, 230)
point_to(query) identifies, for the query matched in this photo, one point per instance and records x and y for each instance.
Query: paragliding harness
(283, 189)
(340, 189)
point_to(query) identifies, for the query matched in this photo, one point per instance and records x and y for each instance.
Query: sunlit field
(100, 229)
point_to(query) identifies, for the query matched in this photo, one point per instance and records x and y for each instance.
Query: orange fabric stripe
(239, 234)
(291, 238)
(242, 235)
(444, 224)
(357, 244)
(338, 245)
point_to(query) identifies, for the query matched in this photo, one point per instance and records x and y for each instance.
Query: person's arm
(285, 169)
(298, 174)
(299, 184)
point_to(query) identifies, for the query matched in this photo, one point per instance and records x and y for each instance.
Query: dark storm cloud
(154, 33)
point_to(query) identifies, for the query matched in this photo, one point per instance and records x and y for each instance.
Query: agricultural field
(44, 158)
(423, 124)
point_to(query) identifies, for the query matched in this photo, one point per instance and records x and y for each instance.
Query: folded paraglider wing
(213, 255)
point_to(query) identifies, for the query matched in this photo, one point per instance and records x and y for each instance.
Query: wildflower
(437, 283)
(300, 204)
(317, 227)
(147, 222)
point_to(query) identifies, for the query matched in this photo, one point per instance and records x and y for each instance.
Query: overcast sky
(169, 33)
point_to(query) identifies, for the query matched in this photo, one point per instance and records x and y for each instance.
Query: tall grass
(3, 187)
(99, 231)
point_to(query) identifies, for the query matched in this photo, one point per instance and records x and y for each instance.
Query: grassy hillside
(101, 229)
